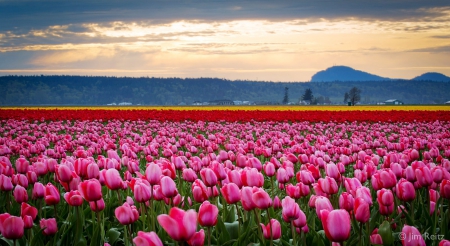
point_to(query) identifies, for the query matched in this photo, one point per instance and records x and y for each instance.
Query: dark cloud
(441, 36)
(17, 15)
(438, 49)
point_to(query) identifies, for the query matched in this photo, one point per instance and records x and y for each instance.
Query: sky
(281, 41)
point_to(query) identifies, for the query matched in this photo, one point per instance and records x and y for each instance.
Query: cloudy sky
(283, 40)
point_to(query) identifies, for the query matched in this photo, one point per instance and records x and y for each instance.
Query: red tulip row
(227, 115)
(160, 182)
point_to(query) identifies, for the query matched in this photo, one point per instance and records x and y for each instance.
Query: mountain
(344, 73)
(433, 77)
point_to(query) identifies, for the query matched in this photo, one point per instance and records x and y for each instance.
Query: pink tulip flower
(90, 190)
(180, 225)
(147, 239)
(207, 214)
(275, 232)
(336, 224)
(49, 226)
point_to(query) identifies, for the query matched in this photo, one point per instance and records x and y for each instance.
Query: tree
(286, 95)
(346, 97)
(308, 95)
(354, 95)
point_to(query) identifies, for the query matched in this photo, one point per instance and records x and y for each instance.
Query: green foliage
(79, 90)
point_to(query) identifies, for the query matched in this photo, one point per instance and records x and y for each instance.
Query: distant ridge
(344, 73)
(432, 76)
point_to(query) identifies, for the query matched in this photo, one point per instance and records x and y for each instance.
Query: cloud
(71, 56)
(27, 15)
(436, 49)
(441, 36)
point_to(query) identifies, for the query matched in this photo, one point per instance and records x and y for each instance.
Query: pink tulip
(5, 183)
(269, 169)
(63, 173)
(52, 196)
(207, 214)
(218, 169)
(444, 243)
(275, 232)
(231, 193)
(328, 185)
(199, 191)
(375, 238)
(346, 201)
(73, 198)
(336, 224)
(261, 199)
(351, 185)
(322, 203)
(252, 177)
(198, 239)
(142, 191)
(361, 210)
(247, 198)
(384, 179)
(38, 191)
(32, 177)
(93, 171)
(27, 210)
(189, 175)
(385, 199)
(290, 209)
(180, 225)
(405, 190)
(12, 227)
(168, 187)
(153, 174)
(97, 206)
(276, 203)
(112, 179)
(411, 236)
(305, 177)
(22, 165)
(445, 189)
(20, 194)
(27, 222)
(126, 214)
(364, 193)
(49, 226)
(332, 171)
(90, 190)
(423, 176)
(208, 176)
(147, 239)
(282, 176)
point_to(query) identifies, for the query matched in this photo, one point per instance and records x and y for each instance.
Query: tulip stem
(303, 237)
(270, 226)
(125, 234)
(258, 220)
(119, 197)
(294, 242)
(209, 235)
(239, 219)
(360, 232)
(271, 183)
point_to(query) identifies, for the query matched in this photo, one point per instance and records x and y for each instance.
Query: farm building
(393, 102)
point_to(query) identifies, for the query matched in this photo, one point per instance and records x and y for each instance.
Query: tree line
(98, 90)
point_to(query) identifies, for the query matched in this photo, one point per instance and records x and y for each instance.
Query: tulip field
(225, 176)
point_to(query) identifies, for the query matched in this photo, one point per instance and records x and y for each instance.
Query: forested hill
(84, 90)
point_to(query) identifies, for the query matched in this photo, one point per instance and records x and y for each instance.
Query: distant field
(251, 108)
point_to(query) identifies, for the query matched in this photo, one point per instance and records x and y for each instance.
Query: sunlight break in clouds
(289, 50)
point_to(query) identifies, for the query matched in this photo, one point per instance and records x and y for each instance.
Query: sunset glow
(288, 49)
